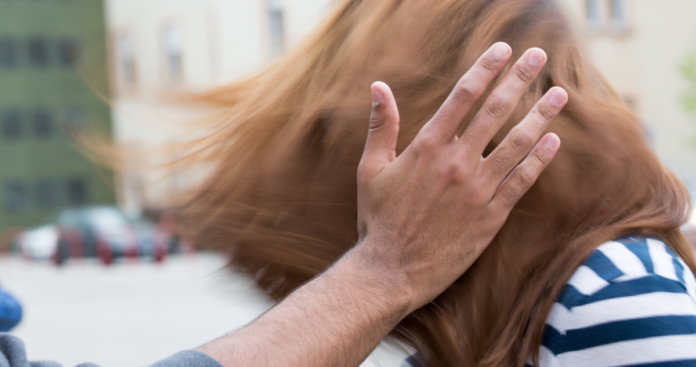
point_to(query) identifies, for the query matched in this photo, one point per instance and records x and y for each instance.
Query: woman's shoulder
(633, 300)
(639, 264)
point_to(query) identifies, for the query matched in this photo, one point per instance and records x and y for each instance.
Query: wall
(52, 73)
(642, 62)
(220, 41)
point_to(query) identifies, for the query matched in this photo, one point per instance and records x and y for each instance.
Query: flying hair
(282, 194)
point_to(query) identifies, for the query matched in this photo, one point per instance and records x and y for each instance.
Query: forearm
(432, 210)
(337, 319)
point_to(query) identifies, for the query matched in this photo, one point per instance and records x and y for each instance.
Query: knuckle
(546, 112)
(512, 193)
(376, 121)
(451, 170)
(520, 141)
(539, 160)
(465, 90)
(498, 163)
(497, 107)
(523, 180)
(489, 63)
(425, 143)
(525, 76)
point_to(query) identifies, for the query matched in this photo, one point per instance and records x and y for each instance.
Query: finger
(522, 137)
(447, 120)
(502, 102)
(526, 173)
(380, 147)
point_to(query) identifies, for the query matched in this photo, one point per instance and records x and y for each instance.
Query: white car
(100, 231)
(39, 243)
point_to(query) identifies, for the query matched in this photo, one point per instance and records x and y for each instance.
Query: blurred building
(163, 47)
(639, 46)
(52, 82)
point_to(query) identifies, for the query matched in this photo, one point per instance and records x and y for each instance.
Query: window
(606, 15)
(126, 63)
(173, 53)
(276, 23)
(43, 123)
(11, 123)
(77, 191)
(47, 193)
(617, 13)
(68, 53)
(592, 9)
(74, 120)
(38, 52)
(16, 196)
(8, 52)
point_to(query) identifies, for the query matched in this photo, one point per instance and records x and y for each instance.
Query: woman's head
(282, 196)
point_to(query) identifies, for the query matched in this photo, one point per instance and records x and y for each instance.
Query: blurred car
(94, 232)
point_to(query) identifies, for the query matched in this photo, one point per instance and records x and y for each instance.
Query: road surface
(134, 313)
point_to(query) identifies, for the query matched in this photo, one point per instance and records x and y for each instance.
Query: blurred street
(98, 150)
(133, 313)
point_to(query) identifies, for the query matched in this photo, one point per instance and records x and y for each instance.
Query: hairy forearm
(336, 319)
(433, 210)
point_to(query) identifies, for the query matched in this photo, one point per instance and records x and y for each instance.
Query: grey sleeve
(13, 354)
(189, 358)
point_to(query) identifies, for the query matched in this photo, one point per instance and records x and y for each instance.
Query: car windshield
(100, 219)
(107, 220)
(69, 218)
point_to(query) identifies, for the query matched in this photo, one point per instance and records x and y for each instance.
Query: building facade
(639, 46)
(161, 46)
(52, 85)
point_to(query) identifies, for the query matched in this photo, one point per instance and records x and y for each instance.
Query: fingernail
(500, 51)
(536, 58)
(377, 97)
(551, 142)
(558, 97)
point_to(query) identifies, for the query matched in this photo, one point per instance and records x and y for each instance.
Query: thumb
(383, 132)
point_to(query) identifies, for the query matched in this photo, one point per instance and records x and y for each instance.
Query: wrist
(382, 276)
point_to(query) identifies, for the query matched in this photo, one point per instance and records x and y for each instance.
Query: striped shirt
(632, 303)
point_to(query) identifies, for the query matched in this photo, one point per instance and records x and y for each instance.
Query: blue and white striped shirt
(632, 303)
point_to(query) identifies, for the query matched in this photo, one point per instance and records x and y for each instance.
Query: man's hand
(425, 216)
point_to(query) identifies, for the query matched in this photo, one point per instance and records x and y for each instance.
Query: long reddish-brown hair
(282, 195)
